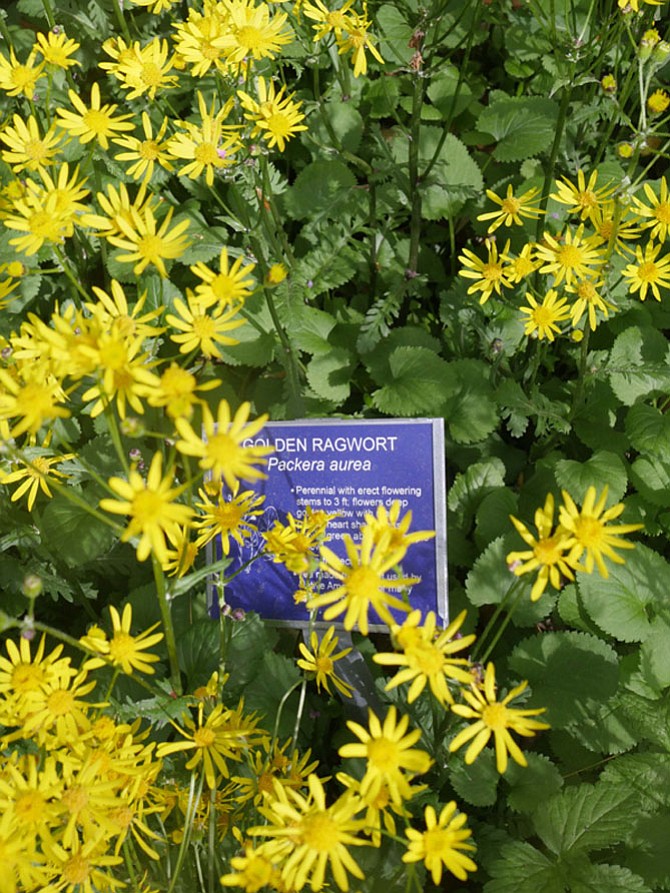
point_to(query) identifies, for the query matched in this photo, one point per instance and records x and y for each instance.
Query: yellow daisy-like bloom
(147, 243)
(215, 740)
(23, 674)
(27, 149)
(443, 843)
(146, 70)
(547, 553)
(380, 811)
(387, 523)
(269, 764)
(94, 123)
(658, 102)
(123, 650)
(512, 208)
(363, 582)
(233, 284)
(328, 20)
(116, 317)
(295, 542)
(275, 116)
(31, 403)
(582, 198)
(649, 272)
(319, 663)
(588, 301)
(203, 329)
(57, 49)
(182, 557)
(427, 656)
(308, 837)
(175, 389)
(37, 468)
(152, 507)
(253, 32)
(209, 146)
(83, 868)
(392, 759)
(59, 712)
(196, 39)
(542, 319)
(573, 258)
(222, 449)
(489, 275)
(495, 718)
(592, 535)
(520, 267)
(253, 871)
(145, 153)
(614, 222)
(228, 519)
(17, 78)
(657, 211)
(356, 39)
(121, 373)
(276, 274)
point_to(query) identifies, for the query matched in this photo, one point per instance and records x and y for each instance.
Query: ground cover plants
(213, 213)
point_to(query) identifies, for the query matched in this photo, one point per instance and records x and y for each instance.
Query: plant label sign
(348, 468)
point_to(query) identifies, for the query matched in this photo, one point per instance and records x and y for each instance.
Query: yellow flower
(444, 842)
(520, 267)
(58, 712)
(512, 208)
(573, 258)
(215, 739)
(221, 448)
(182, 557)
(275, 116)
(356, 39)
(208, 147)
(145, 153)
(233, 284)
(228, 519)
(588, 301)
(276, 274)
(198, 39)
(547, 551)
(27, 149)
(122, 374)
(124, 650)
(176, 391)
(295, 542)
(489, 275)
(37, 468)
(115, 316)
(270, 763)
(94, 123)
(582, 198)
(495, 718)
(17, 78)
(154, 513)
(658, 102)
(146, 69)
(329, 20)
(363, 582)
(254, 870)
(657, 211)
(57, 48)
(23, 674)
(202, 329)
(591, 532)
(427, 656)
(308, 837)
(611, 220)
(253, 32)
(391, 758)
(388, 524)
(320, 661)
(649, 271)
(30, 403)
(542, 319)
(147, 243)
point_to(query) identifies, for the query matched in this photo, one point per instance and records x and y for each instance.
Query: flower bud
(32, 586)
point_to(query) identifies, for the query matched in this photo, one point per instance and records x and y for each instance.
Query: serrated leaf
(471, 412)
(344, 120)
(637, 365)
(198, 649)
(395, 33)
(648, 430)
(599, 878)
(418, 381)
(476, 784)
(648, 853)
(490, 578)
(254, 348)
(330, 374)
(471, 486)
(330, 264)
(250, 639)
(651, 477)
(567, 671)
(377, 359)
(584, 817)
(523, 126)
(312, 332)
(322, 188)
(620, 604)
(646, 774)
(523, 869)
(655, 654)
(492, 519)
(602, 469)
(73, 533)
(277, 675)
(532, 784)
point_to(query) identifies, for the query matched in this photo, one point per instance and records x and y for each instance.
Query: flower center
(76, 870)
(27, 677)
(495, 716)
(149, 150)
(35, 150)
(204, 738)
(492, 272)
(319, 832)
(147, 507)
(76, 799)
(150, 246)
(588, 531)
(279, 124)
(569, 256)
(548, 551)
(662, 213)
(204, 327)
(427, 659)
(96, 121)
(324, 665)
(222, 448)
(511, 206)
(250, 38)
(29, 807)
(647, 271)
(121, 646)
(362, 582)
(383, 753)
(151, 74)
(60, 702)
(206, 154)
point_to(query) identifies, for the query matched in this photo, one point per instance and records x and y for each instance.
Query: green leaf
(620, 604)
(651, 477)
(419, 379)
(471, 486)
(655, 653)
(254, 348)
(646, 774)
(598, 878)
(73, 533)
(395, 34)
(603, 469)
(648, 430)
(472, 412)
(568, 672)
(476, 784)
(637, 365)
(277, 675)
(648, 854)
(198, 649)
(532, 784)
(492, 519)
(250, 641)
(323, 188)
(382, 94)
(330, 374)
(523, 126)
(523, 869)
(345, 121)
(489, 580)
(313, 331)
(448, 92)
(584, 817)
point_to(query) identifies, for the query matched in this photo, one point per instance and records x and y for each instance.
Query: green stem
(488, 629)
(295, 401)
(123, 25)
(551, 165)
(299, 711)
(414, 179)
(192, 805)
(503, 626)
(70, 275)
(168, 626)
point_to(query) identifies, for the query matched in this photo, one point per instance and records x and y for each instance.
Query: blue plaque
(348, 467)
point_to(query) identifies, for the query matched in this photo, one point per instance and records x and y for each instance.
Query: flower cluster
(577, 276)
